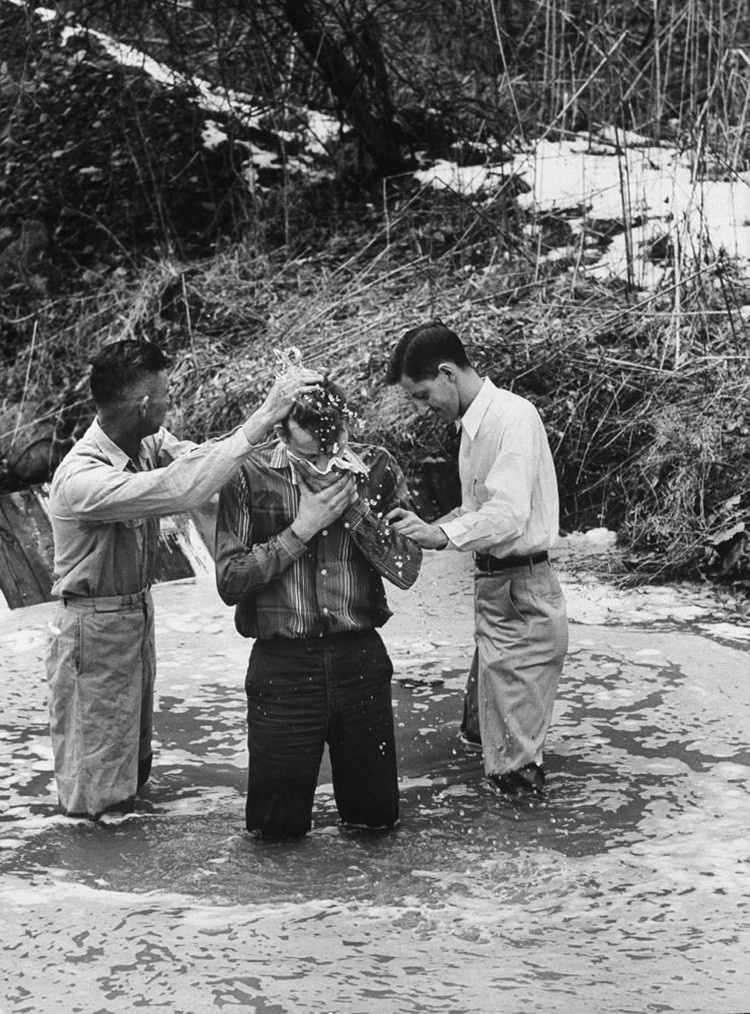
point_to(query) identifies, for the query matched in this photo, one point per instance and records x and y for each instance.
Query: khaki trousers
(521, 636)
(100, 670)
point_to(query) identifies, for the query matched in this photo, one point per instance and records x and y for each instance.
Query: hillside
(188, 172)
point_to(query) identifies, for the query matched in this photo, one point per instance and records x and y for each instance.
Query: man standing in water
(105, 502)
(508, 518)
(302, 547)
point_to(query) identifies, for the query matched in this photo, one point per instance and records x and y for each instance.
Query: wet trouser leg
(100, 669)
(470, 720)
(302, 694)
(521, 641)
(361, 739)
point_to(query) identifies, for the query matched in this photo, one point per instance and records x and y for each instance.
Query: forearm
(100, 492)
(257, 426)
(243, 570)
(489, 527)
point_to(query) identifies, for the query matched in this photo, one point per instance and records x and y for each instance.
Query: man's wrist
(291, 543)
(303, 532)
(442, 538)
(356, 512)
(257, 426)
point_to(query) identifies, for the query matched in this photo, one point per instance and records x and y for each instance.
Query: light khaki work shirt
(105, 508)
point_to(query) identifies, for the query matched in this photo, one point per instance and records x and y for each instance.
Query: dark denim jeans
(302, 694)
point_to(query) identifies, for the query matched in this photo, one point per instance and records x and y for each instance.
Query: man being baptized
(302, 548)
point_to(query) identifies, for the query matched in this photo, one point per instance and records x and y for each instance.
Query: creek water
(626, 889)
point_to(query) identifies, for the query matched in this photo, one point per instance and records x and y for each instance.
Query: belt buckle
(483, 562)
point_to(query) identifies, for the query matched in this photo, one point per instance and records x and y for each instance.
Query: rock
(27, 444)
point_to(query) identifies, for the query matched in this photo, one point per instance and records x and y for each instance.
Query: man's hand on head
(278, 402)
(409, 524)
(286, 389)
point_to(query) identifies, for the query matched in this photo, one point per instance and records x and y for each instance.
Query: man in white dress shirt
(508, 519)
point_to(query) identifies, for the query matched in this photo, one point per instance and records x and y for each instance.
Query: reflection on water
(628, 889)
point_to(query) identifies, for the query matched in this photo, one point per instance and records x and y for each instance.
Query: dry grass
(644, 399)
(651, 446)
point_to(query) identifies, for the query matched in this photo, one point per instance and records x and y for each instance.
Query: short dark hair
(422, 349)
(321, 413)
(122, 364)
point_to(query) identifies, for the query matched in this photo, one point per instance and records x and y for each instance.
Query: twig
(25, 383)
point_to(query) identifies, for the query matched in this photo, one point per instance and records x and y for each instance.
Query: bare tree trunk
(346, 84)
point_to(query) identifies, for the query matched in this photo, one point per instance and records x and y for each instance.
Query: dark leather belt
(106, 603)
(490, 564)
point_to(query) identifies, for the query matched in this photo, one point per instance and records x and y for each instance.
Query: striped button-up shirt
(283, 587)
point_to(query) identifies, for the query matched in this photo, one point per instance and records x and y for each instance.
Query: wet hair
(120, 366)
(421, 350)
(322, 413)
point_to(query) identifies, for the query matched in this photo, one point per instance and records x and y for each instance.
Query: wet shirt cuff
(292, 545)
(356, 513)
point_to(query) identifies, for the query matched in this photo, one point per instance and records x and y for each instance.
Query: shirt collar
(116, 455)
(279, 457)
(472, 418)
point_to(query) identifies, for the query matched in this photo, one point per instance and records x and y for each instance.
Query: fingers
(306, 376)
(303, 382)
(397, 514)
(409, 525)
(303, 482)
(287, 389)
(343, 488)
(329, 504)
(342, 494)
(404, 527)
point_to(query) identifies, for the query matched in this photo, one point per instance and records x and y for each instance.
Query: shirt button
(346, 524)
(324, 532)
(325, 610)
(324, 571)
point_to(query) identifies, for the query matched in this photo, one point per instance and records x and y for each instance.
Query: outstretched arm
(186, 476)
(290, 386)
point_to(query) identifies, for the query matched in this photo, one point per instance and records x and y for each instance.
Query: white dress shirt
(509, 500)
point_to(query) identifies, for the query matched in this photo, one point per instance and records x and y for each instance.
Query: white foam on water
(646, 786)
(729, 631)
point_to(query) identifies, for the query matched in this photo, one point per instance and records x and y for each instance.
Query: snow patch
(653, 190)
